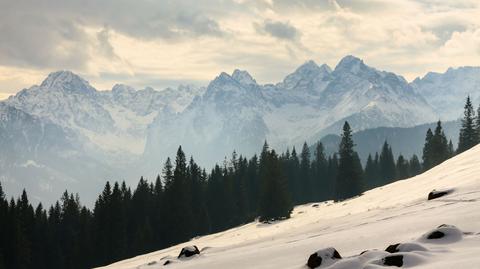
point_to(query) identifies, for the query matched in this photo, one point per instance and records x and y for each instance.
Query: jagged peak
(117, 88)
(350, 63)
(67, 80)
(243, 77)
(308, 66)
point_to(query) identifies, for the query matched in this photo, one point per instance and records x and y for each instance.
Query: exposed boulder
(437, 194)
(405, 247)
(443, 234)
(323, 257)
(188, 251)
(393, 260)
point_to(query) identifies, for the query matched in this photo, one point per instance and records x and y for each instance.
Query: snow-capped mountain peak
(306, 76)
(351, 64)
(122, 88)
(243, 77)
(68, 81)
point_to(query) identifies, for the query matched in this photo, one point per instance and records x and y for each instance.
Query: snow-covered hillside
(396, 213)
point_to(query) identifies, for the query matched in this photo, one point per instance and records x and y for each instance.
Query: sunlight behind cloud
(194, 43)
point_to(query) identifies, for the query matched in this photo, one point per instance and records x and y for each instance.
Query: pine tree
(349, 177)
(370, 172)
(428, 150)
(319, 174)
(451, 150)
(403, 169)
(386, 164)
(275, 202)
(293, 174)
(305, 177)
(436, 148)
(332, 173)
(415, 167)
(468, 136)
(439, 145)
(199, 206)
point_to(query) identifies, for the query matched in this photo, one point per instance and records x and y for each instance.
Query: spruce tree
(468, 136)
(415, 167)
(275, 202)
(319, 174)
(386, 165)
(370, 172)
(349, 177)
(305, 177)
(293, 174)
(428, 151)
(403, 169)
(439, 146)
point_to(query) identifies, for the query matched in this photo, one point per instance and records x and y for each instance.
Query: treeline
(185, 201)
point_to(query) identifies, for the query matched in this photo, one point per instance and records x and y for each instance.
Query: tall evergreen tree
(275, 202)
(370, 172)
(468, 136)
(428, 150)
(415, 167)
(439, 145)
(386, 164)
(305, 176)
(349, 177)
(402, 167)
(320, 183)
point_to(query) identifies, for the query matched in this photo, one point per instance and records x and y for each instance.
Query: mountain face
(446, 92)
(235, 112)
(65, 134)
(113, 121)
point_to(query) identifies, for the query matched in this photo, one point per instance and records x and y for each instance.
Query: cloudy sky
(165, 43)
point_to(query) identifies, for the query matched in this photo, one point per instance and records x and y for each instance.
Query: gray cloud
(444, 31)
(38, 41)
(280, 30)
(104, 45)
(51, 33)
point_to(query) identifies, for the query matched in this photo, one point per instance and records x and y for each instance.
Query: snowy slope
(396, 213)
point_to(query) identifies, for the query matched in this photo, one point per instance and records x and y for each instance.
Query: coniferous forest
(187, 201)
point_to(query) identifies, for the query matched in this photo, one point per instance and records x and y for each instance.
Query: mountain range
(66, 134)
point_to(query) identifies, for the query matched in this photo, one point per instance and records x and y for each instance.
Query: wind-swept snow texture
(396, 213)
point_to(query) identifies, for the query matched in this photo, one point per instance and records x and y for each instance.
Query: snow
(31, 163)
(308, 104)
(396, 213)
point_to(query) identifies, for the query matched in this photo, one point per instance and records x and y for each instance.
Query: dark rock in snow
(443, 234)
(324, 256)
(314, 261)
(392, 248)
(188, 252)
(394, 260)
(405, 247)
(167, 262)
(435, 235)
(437, 194)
